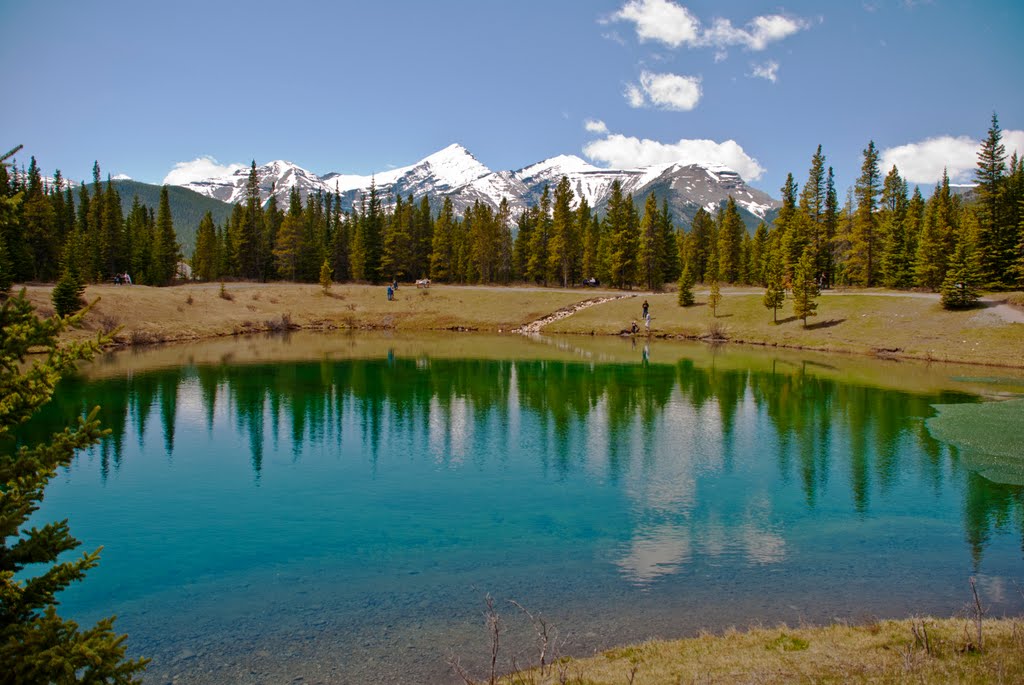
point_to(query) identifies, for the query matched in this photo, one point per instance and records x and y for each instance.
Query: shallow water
(341, 519)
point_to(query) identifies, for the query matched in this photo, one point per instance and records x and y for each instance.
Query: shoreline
(876, 324)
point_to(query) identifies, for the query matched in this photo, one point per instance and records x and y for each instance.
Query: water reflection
(694, 450)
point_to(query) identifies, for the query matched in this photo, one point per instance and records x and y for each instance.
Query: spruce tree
(730, 241)
(204, 259)
(441, 256)
(670, 267)
(540, 239)
(715, 295)
(865, 247)
(960, 287)
(686, 282)
(805, 288)
(701, 244)
(996, 238)
(650, 248)
(564, 246)
(37, 645)
(775, 288)
(325, 276)
(166, 251)
(67, 294)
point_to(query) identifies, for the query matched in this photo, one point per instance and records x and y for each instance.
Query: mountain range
(455, 173)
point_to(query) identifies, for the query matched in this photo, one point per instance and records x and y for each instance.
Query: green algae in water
(989, 434)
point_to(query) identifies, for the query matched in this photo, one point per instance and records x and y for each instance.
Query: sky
(171, 91)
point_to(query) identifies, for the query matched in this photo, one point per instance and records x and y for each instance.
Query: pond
(336, 508)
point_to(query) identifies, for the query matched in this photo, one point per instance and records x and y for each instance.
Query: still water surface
(341, 519)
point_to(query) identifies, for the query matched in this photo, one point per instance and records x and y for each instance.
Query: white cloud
(923, 162)
(660, 20)
(665, 91)
(595, 126)
(198, 169)
(634, 96)
(625, 152)
(675, 25)
(768, 71)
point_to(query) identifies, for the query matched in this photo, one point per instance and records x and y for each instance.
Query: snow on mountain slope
(453, 172)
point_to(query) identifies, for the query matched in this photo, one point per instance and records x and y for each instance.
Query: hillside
(187, 207)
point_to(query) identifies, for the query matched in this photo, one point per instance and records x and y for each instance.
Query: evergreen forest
(880, 234)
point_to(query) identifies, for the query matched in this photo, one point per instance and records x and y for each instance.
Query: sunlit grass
(913, 650)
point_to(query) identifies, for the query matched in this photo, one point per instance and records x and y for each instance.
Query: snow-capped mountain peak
(455, 173)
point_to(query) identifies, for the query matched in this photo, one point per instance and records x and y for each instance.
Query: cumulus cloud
(924, 161)
(665, 91)
(660, 20)
(674, 25)
(198, 169)
(768, 71)
(759, 32)
(624, 152)
(595, 126)
(634, 96)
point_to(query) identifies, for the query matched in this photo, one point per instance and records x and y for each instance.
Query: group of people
(392, 289)
(122, 279)
(647, 320)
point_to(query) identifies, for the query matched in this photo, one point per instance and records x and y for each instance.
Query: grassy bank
(866, 322)
(912, 650)
(904, 325)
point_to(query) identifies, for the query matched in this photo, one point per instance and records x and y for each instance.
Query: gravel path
(565, 312)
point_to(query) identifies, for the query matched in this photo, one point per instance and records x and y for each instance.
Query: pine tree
(789, 226)
(204, 259)
(37, 645)
(521, 249)
(564, 246)
(249, 250)
(670, 266)
(996, 238)
(715, 295)
(325, 276)
(166, 251)
(67, 294)
(290, 238)
(372, 231)
(805, 288)
(503, 220)
(441, 256)
(730, 241)
(775, 289)
(865, 248)
(758, 253)
(896, 259)
(937, 238)
(39, 222)
(540, 237)
(686, 282)
(650, 247)
(960, 287)
(701, 244)
(813, 203)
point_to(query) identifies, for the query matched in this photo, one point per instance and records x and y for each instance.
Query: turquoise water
(342, 520)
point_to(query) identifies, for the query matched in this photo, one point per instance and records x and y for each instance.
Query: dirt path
(565, 312)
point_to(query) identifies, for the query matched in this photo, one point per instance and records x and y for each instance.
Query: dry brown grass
(197, 311)
(912, 650)
(868, 322)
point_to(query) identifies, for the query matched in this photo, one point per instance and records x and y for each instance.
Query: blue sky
(363, 87)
